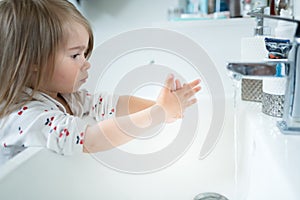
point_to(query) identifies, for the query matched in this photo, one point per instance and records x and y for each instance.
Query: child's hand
(174, 98)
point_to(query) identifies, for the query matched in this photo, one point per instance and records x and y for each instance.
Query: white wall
(297, 9)
(110, 17)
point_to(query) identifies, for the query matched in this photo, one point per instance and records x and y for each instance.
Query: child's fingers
(191, 102)
(178, 84)
(196, 89)
(169, 83)
(192, 87)
(194, 83)
(192, 92)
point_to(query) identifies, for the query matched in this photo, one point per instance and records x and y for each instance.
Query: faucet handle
(260, 9)
(257, 14)
(259, 29)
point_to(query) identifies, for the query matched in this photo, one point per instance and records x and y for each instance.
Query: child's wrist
(168, 116)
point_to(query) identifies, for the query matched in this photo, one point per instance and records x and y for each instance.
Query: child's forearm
(138, 117)
(116, 131)
(132, 104)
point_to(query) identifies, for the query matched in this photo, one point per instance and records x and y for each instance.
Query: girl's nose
(86, 65)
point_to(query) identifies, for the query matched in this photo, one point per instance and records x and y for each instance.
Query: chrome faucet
(290, 123)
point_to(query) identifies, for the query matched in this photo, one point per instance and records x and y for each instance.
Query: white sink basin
(41, 174)
(257, 164)
(270, 159)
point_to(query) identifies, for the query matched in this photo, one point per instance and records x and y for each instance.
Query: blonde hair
(31, 31)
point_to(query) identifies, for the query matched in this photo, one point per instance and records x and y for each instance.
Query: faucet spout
(291, 116)
(255, 68)
(290, 123)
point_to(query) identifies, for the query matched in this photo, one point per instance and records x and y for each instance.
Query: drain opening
(210, 196)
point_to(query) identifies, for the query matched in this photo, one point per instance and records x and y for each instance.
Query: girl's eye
(75, 55)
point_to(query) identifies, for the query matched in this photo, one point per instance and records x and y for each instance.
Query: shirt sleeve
(37, 124)
(99, 106)
(44, 122)
(64, 133)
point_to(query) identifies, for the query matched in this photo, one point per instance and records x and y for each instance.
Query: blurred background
(110, 17)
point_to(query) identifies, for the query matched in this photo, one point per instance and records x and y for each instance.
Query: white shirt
(45, 122)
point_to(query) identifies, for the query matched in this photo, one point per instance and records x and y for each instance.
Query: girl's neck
(58, 97)
(61, 100)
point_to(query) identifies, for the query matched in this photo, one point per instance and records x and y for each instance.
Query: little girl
(45, 45)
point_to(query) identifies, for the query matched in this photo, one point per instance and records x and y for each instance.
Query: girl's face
(70, 70)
